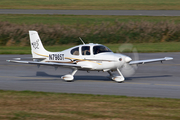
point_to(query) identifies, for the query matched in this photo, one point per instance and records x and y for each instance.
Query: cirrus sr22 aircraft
(86, 57)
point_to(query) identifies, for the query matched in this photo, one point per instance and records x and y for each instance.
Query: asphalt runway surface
(150, 80)
(94, 12)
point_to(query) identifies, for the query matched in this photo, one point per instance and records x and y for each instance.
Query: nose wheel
(118, 78)
(69, 77)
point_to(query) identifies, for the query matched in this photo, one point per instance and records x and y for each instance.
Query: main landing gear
(69, 77)
(118, 78)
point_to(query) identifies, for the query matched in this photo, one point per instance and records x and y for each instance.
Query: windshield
(100, 49)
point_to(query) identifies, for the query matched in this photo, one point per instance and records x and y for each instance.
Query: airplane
(85, 57)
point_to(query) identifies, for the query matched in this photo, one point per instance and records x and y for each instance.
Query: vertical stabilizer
(37, 48)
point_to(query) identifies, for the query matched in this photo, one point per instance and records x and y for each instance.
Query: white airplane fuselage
(101, 62)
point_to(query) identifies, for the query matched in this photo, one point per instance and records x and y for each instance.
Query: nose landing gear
(118, 78)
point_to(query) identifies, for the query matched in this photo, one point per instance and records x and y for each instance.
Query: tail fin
(37, 48)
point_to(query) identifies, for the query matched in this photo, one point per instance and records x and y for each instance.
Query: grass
(27, 105)
(14, 29)
(149, 47)
(141, 47)
(81, 19)
(92, 4)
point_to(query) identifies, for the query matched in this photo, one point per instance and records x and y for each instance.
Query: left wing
(150, 60)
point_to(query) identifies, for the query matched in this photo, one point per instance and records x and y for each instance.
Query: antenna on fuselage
(82, 41)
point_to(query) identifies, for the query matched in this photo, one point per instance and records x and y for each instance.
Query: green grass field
(85, 19)
(92, 4)
(141, 47)
(28, 105)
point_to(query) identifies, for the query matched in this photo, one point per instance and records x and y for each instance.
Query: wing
(47, 63)
(150, 60)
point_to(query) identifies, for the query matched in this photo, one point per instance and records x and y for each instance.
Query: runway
(95, 12)
(150, 80)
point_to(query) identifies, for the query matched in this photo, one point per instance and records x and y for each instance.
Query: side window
(85, 50)
(75, 51)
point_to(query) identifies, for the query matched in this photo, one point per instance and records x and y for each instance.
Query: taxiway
(94, 12)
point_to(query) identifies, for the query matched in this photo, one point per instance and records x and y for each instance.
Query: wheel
(68, 78)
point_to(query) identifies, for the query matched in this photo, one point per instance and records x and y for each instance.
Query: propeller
(127, 69)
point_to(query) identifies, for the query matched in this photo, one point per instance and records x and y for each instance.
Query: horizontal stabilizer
(28, 58)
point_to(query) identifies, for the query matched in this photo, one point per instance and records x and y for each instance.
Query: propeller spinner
(127, 69)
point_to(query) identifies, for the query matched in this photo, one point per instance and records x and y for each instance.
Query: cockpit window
(86, 50)
(75, 51)
(100, 49)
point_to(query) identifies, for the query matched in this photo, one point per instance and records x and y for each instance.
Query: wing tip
(168, 58)
(8, 60)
